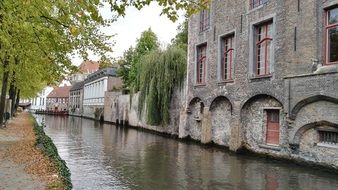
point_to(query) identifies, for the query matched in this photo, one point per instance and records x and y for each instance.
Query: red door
(272, 129)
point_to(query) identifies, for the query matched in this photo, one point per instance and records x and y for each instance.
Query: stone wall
(123, 109)
(221, 110)
(233, 113)
(254, 121)
(310, 149)
(95, 112)
(300, 85)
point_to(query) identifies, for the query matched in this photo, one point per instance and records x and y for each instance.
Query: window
(331, 36)
(201, 63)
(227, 57)
(204, 20)
(263, 40)
(256, 3)
(328, 137)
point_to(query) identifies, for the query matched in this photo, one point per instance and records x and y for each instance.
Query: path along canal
(110, 157)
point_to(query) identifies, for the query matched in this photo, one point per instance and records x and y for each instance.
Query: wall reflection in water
(109, 157)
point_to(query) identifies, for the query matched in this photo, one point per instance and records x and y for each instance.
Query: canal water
(110, 157)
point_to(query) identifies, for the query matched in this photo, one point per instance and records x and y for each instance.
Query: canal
(109, 157)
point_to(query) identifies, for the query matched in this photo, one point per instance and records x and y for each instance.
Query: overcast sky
(130, 27)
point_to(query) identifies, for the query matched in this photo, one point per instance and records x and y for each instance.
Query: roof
(60, 92)
(89, 66)
(77, 86)
(101, 73)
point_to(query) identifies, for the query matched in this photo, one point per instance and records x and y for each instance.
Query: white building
(40, 102)
(95, 86)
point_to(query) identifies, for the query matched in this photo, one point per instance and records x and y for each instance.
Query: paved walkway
(19, 157)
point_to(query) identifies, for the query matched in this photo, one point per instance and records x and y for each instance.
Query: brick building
(263, 74)
(76, 92)
(85, 68)
(58, 99)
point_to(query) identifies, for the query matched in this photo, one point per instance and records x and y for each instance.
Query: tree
(43, 34)
(125, 65)
(169, 7)
(106, 63)
(131, 60)
(160, 73)
(37, 38)
(181, 38)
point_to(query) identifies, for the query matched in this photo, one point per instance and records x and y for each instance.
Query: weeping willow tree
(160, 73)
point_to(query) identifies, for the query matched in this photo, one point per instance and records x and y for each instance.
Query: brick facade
(298, 84)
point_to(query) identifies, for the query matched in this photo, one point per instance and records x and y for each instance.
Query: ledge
(199, 85)
(255, 9)
(324, 70)
(269, 146)
(326, 145)
(222, 83)
(262, 77)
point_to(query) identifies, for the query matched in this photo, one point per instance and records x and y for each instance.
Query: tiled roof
(89, 67)
(60, 92)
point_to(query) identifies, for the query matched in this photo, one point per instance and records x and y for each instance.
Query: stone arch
(306, 142)
(258, 96)
(311, 113)
(297, 137)
(195, 116)
(253, 115)
(220, 112)
(310, 100)
(219, 99)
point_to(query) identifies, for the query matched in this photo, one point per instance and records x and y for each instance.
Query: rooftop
(101, 73)
(60, 92)
(89, 66)
(77, 86)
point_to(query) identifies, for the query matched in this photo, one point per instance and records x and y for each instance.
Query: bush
(50, 150)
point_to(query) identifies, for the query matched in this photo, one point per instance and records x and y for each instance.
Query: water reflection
(107, 157)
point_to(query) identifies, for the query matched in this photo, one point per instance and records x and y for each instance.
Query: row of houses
(82, 95)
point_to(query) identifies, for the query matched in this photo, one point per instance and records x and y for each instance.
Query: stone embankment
(24, 164)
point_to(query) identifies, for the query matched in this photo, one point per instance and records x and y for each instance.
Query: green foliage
(155, 73)
(169, 7)
(125, 65)
(105, 63)
(50, 150)
(160, 73)
(42, 35)
(38, 37)
(131, 61)
(181, 38)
